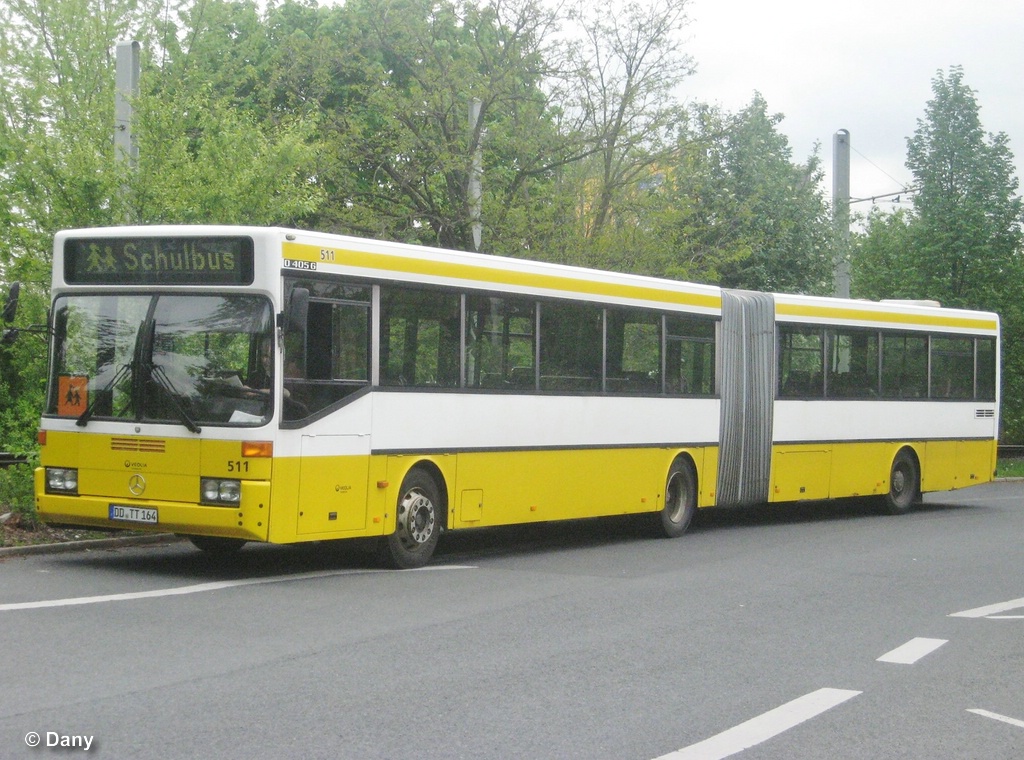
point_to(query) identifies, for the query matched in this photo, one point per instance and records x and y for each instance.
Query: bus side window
(852, 364)
(801, 361)
(952, 368)
(419, 337)
(904, 365)
(571, 347)
(499, 342)
(327, 360)
(689, 356)
(985, 369)
(633, 351)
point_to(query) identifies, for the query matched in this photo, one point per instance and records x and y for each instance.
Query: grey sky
(866, 67)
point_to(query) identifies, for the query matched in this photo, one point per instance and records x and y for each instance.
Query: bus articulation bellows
(238, 384)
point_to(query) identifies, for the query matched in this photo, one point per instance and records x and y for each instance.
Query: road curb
(64, 547)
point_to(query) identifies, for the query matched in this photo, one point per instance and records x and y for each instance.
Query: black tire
(904, 484)
(419, 515)
(680, 501)
(217, 544)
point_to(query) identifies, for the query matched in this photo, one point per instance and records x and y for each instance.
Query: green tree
(413, 145)
(739, 211)
(881, 266)
(203, 160)
(967, 236)
(391, 82)
(56, 117)
(629, 66)
(961, 243)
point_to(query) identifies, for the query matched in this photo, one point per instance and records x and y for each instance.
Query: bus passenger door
(332, 484)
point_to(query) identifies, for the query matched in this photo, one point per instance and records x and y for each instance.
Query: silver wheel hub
(676, 499)
(415, 518)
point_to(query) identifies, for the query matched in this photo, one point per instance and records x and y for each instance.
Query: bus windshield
(192, 360)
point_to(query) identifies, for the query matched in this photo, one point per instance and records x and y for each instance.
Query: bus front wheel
(904, 484)
(418, 517)
(680, 500)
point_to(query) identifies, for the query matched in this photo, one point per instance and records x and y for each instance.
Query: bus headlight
(63, 480)
(220, 491)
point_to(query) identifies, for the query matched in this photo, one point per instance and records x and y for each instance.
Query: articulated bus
(235, 384)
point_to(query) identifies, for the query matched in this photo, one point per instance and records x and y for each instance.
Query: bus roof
(378, 259)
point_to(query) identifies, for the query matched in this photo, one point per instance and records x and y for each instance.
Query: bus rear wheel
(418, 517)
(680, 501)
(904, 484)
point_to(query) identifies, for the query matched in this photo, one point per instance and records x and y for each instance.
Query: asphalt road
(757, 635)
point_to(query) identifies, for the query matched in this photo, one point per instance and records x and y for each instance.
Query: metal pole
(841, 211)
(476, 171)
(126, 87)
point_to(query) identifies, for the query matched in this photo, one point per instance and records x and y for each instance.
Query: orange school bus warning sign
(74, 395)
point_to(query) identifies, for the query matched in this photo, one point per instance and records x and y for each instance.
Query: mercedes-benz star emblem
(137, 484)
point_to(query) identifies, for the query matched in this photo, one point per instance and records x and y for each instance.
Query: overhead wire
(905, 190)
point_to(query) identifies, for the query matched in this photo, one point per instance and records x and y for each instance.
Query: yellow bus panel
(938, 466)
(861, 469)
(975, 462)
(503, 488)
(839, 470)
(800, 472)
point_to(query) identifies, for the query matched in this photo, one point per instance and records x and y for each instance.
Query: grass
(1010, 468)
(17, 533)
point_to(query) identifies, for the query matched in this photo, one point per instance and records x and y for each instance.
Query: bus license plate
(133, 514)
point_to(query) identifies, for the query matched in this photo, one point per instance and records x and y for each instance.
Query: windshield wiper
(159, 376)
(122, 372)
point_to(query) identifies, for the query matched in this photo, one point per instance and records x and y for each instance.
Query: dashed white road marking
(912, 651)
(763, 727)
(199, 588)
(992, 609)
(997, 716)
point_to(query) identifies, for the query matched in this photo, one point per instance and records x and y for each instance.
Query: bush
(16, 493)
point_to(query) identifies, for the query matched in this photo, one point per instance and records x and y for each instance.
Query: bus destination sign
(159, 261)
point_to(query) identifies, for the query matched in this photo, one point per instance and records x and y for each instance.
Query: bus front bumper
(248, 520)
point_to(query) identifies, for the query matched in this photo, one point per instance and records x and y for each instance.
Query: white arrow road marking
(997, 716)
(992, 609)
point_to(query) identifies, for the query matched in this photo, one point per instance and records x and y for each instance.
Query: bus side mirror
(11, 306)
(298, 310)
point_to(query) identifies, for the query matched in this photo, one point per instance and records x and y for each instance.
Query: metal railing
(7, 460)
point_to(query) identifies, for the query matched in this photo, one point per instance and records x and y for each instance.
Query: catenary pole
(841, 211)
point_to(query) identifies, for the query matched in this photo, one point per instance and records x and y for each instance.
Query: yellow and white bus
(239, 384)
